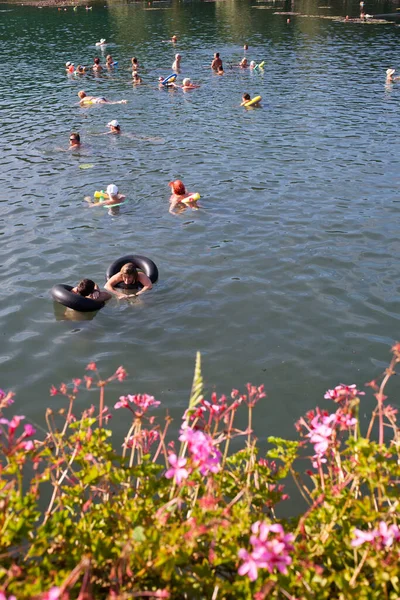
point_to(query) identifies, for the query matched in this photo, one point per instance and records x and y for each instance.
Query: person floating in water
(128, 275)
(217, 62)
(180, 196)
(176, 65)
(109, 61)
(69, 67)
(85, 99)
(97, 66)
(188, 85)
(389, 76)
(167, 85)
(114, 126)
(135, 64)
(136, 79)
(74, 140)
(243, 63)
(174, 39)
(246, 98)
(89, 289)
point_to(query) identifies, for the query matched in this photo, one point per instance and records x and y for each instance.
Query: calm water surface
(287, 275)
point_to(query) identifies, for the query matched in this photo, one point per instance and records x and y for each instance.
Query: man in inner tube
(89, 289)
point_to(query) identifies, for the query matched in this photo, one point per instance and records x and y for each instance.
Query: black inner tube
(63, 294)
(142, 263)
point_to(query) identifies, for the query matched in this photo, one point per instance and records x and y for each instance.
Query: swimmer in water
(135, 78)
(89, 289)
(188, 85)
(135, 64)
(69, 67)
(176, 65)
(114, 126)
(74, 140)
(129, 276)
(217, 62)
(180, 195)
(111, 198)
(109, 61)
(97, 66)
(246, 98)
(253, 64)
(174, 39)
(85, 100)
(243, 63)
(80, 70)
(389, 76)
(245, 47)
(168, 85)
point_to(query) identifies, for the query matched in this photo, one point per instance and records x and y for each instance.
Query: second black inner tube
(142, 263)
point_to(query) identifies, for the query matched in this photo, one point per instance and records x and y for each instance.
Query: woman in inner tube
(129, 276)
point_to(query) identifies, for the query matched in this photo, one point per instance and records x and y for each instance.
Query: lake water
(287, 275)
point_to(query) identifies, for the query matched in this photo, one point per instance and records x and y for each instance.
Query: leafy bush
(192, 520)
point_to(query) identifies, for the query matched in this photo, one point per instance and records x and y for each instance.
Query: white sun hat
(390, 71)
(113, 123)
(112, 190)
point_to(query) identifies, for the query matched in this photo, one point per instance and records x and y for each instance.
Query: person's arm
(112, 282)
(146, 283)
(172, 204)
(116, 200)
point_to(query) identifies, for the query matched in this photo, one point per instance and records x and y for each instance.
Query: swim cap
(69, 64)
(112, 190)
(113, 123)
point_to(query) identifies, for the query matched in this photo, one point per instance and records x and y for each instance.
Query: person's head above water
(114, 125)
(134, 60)
(129, 273)
(112, 190)
(216, 55)
(390, 72)
(174, 38)
(186, 82)
(96, 61)
(245, 47)
(74, 139)
(246, 97)
(82, 94)
(177, 187)
(85, 287)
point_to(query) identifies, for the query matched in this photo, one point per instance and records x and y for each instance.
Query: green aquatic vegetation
(189, 518)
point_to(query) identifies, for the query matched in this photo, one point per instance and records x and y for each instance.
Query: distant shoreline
(48, 3)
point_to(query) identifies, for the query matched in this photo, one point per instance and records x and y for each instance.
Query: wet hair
(85, 287)
(246, 97)
(178, 187)
(96, 61)
(82, 94)
(76, 135)
(217, 55)
(129, 269)
(108, 56)
(134, 60)
(245, 47)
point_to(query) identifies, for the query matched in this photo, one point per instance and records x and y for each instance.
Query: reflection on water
(288, 273)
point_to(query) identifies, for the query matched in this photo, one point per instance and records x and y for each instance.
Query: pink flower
(249, 566)
(53, 391)
(269, 552)
(321, 433)
(121, 374)
(382, 536)
(123, 402)
(54, 593)
(29, 430)
(4, 597)
(27, 446)
(177, 470)
(205, 456)
(343, 393)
